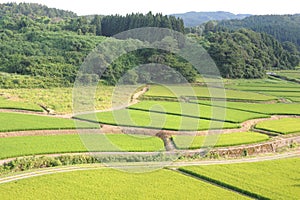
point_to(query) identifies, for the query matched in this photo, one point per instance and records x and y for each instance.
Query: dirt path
(249, 124)
(174, 165)
(45, 171)
(245, 126)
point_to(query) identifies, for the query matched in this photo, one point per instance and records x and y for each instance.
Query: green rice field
(278, 179)
(35, 145)
(21, 122)
(137, 118)
(283, 93)
(283, 126)
(278, 88)
(197, 110)
(294, 99)
(294, 74)
(113, 184)
(176, 91)
(260, 85)
(269, 109)
(222, 140)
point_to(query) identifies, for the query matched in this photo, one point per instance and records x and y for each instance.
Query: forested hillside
(50, 44)
(247, 54)
(44, 42)
(283, 27)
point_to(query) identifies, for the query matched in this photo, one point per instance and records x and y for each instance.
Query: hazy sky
(86, 7)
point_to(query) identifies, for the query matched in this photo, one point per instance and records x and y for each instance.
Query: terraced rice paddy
(177, 91)
(36, 145)
(252, 179)
(197, 110)
(277, 88)
(21, 122)
(283, 126)
(136, 118)
(277, 179)
(268, 109)
(261, 85)
(293, 74)
(221, 140)
(112, 184)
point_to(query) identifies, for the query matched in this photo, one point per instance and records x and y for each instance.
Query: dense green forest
(284, 28)
(45, 42)
(51, 44)
(248, 54)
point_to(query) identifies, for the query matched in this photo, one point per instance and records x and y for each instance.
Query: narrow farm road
(46, 171)
(172, 165)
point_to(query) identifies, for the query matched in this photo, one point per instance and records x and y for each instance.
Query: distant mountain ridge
(196, 18)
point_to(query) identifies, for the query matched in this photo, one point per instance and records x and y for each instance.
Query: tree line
(112, 25)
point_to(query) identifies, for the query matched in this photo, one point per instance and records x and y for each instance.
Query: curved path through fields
(46, 171)
(245, 126)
